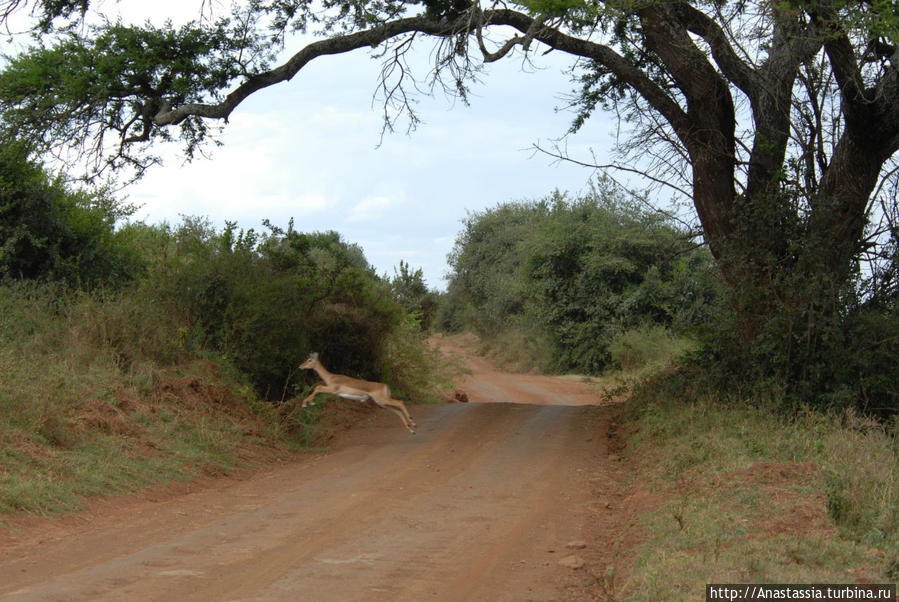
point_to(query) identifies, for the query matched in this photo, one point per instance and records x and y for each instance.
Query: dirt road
(481, 504)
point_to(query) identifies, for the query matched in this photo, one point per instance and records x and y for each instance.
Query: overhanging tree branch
(602, 54)
(336, 45)
(533, 29)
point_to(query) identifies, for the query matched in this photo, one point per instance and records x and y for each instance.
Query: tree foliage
(778, 121)
(50, 231)
(265, 301)
(577, 273)
(412, 294)
(756, 111)
(84, 89)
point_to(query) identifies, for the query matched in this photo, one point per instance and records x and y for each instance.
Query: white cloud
(373, 208)
(307, 149)
(331, 116)
(311, 202)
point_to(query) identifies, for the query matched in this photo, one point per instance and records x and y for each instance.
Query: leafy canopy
(778, 121)
(84, 89)
(50, 231)
(576, 273)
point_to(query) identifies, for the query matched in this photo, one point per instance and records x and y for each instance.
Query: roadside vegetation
(580, 285)
(730, 489)
(134, 353)
(771, 462)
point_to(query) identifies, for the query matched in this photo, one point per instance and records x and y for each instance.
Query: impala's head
(309, 364)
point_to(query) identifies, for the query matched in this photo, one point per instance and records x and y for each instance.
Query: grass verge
(86, 410)
(731, 492)
(189, 422)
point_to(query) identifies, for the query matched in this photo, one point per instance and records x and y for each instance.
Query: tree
(50, 231)
(412, 294)
(572, 274)
(783, 118)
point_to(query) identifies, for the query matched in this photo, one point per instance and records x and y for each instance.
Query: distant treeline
(563, 284)
(566, 281)
(598, 281)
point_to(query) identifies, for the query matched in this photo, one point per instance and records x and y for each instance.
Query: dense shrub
(413, 295)
(571, 275)
(51, 231)
(828, 354)
(257, 301)
(265, 301)
(647, 348)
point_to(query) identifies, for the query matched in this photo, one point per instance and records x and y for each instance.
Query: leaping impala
(355, 389)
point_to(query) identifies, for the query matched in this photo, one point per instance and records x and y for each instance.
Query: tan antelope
(355, 389)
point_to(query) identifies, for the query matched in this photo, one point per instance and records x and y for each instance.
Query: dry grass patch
(190, 421)
(748, 496)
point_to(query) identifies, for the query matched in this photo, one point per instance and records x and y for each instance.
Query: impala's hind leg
(399, 411)
(405, 412)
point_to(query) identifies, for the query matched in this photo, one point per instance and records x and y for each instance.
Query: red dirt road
(480, 504)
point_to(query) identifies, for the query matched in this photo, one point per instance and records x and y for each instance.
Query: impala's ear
(313, 355)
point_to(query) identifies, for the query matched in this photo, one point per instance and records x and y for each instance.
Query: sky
(311, 149)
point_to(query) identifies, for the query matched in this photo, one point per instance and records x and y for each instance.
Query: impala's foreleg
(311, 397)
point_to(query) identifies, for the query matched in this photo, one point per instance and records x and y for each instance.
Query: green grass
(40, 477)
(641, 352)
(517, 349)
(83, 412)
(743, 494)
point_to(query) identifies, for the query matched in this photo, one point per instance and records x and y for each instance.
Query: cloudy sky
(309, 149)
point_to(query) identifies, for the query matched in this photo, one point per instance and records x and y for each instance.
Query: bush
(647, 347)
(413, 295)
(414, 370)
(570, 275)
(50, 231)
(823, 334)
(264, 302)
(844, 360)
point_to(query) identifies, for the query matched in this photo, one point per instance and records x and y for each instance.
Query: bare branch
(741, 74)
(523, 41)
(561, 156)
